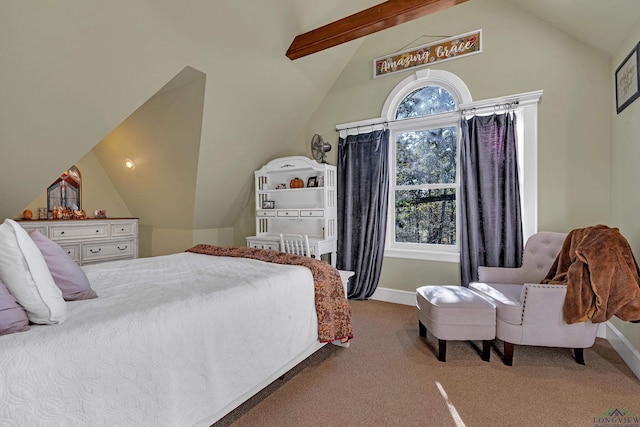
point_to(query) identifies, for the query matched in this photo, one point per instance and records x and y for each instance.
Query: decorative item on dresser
(91, 240)
(310, 210)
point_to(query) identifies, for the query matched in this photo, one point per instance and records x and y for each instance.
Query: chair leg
(508, 353)
(442, 350)
(486, 350)
(579, 354)
(422, 330)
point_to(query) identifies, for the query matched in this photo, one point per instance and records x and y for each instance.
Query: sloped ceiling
(75, 70)
(162, 139)
(600, 24)
(76, 74)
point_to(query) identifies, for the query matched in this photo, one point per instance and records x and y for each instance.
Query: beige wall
(520, 54)
(162, 138)
(72, 74)
(625, 173)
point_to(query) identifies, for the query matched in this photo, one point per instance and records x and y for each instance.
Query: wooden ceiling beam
(376, 18)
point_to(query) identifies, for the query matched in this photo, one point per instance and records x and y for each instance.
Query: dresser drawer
(91, 240)
(124, 229)
(41, 228)
(59, 232)
(266, 213)
(290, 213)
(112, 250)
(315, 213)
(73, 250)
(265, 245)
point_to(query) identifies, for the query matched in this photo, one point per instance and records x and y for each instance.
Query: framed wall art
(627, 83)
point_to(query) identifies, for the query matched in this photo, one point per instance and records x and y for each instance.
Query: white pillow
(25, 272)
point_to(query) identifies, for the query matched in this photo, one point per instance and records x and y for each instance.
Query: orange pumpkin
(296, 183)
(27, 214)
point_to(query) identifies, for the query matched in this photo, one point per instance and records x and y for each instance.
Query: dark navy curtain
(491, 219)
(363, 192)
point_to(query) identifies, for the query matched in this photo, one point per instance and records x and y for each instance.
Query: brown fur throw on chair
(602, 276)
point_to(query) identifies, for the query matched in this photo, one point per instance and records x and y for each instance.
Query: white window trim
(526, 112)
(394, 249)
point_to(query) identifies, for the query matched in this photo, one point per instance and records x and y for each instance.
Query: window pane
(426, 157)
(426, 101)
(426, 216)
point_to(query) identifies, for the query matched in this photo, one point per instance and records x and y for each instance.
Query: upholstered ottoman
(455, 313)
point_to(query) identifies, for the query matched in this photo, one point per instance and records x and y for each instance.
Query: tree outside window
(424, 185)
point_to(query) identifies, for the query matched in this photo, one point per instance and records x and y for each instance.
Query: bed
(174, 340)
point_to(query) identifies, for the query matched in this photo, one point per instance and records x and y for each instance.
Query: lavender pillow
(67, 275)
(13, 317)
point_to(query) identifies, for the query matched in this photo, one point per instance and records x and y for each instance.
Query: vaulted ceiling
(76, 75)
(600, 24)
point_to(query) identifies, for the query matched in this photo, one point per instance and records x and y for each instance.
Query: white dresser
(91, 240)
(310, 210)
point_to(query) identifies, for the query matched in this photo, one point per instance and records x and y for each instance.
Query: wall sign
(442, 50)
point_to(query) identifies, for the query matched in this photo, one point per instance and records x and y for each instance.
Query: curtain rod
(519, 100)
(497, 107)
(385, 123)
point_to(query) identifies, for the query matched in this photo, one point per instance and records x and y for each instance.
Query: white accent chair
(527, 312)
(297, 244)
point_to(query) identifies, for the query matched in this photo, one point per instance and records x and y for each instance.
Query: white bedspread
(170, 341)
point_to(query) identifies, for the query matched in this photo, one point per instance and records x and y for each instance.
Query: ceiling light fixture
(129, 164)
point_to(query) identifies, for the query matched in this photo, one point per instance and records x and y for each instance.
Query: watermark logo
(616, 418)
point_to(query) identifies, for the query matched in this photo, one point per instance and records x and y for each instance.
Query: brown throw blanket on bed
(601, 274)
(332, 307)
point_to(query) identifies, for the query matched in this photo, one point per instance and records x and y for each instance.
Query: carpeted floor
(390, 376)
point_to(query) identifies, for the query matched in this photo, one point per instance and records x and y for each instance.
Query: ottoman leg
(442, 350)
(422, 329)
(486, 350)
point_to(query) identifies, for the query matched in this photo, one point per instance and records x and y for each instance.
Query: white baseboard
(395, 296)
(620, 344)
(623, 347)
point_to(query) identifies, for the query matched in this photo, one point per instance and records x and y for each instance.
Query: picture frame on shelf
(281, 186)
(628, 80)
(320, 181)
(268, 204)
(312, 181)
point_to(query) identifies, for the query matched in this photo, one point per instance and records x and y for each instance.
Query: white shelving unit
(308, 210)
